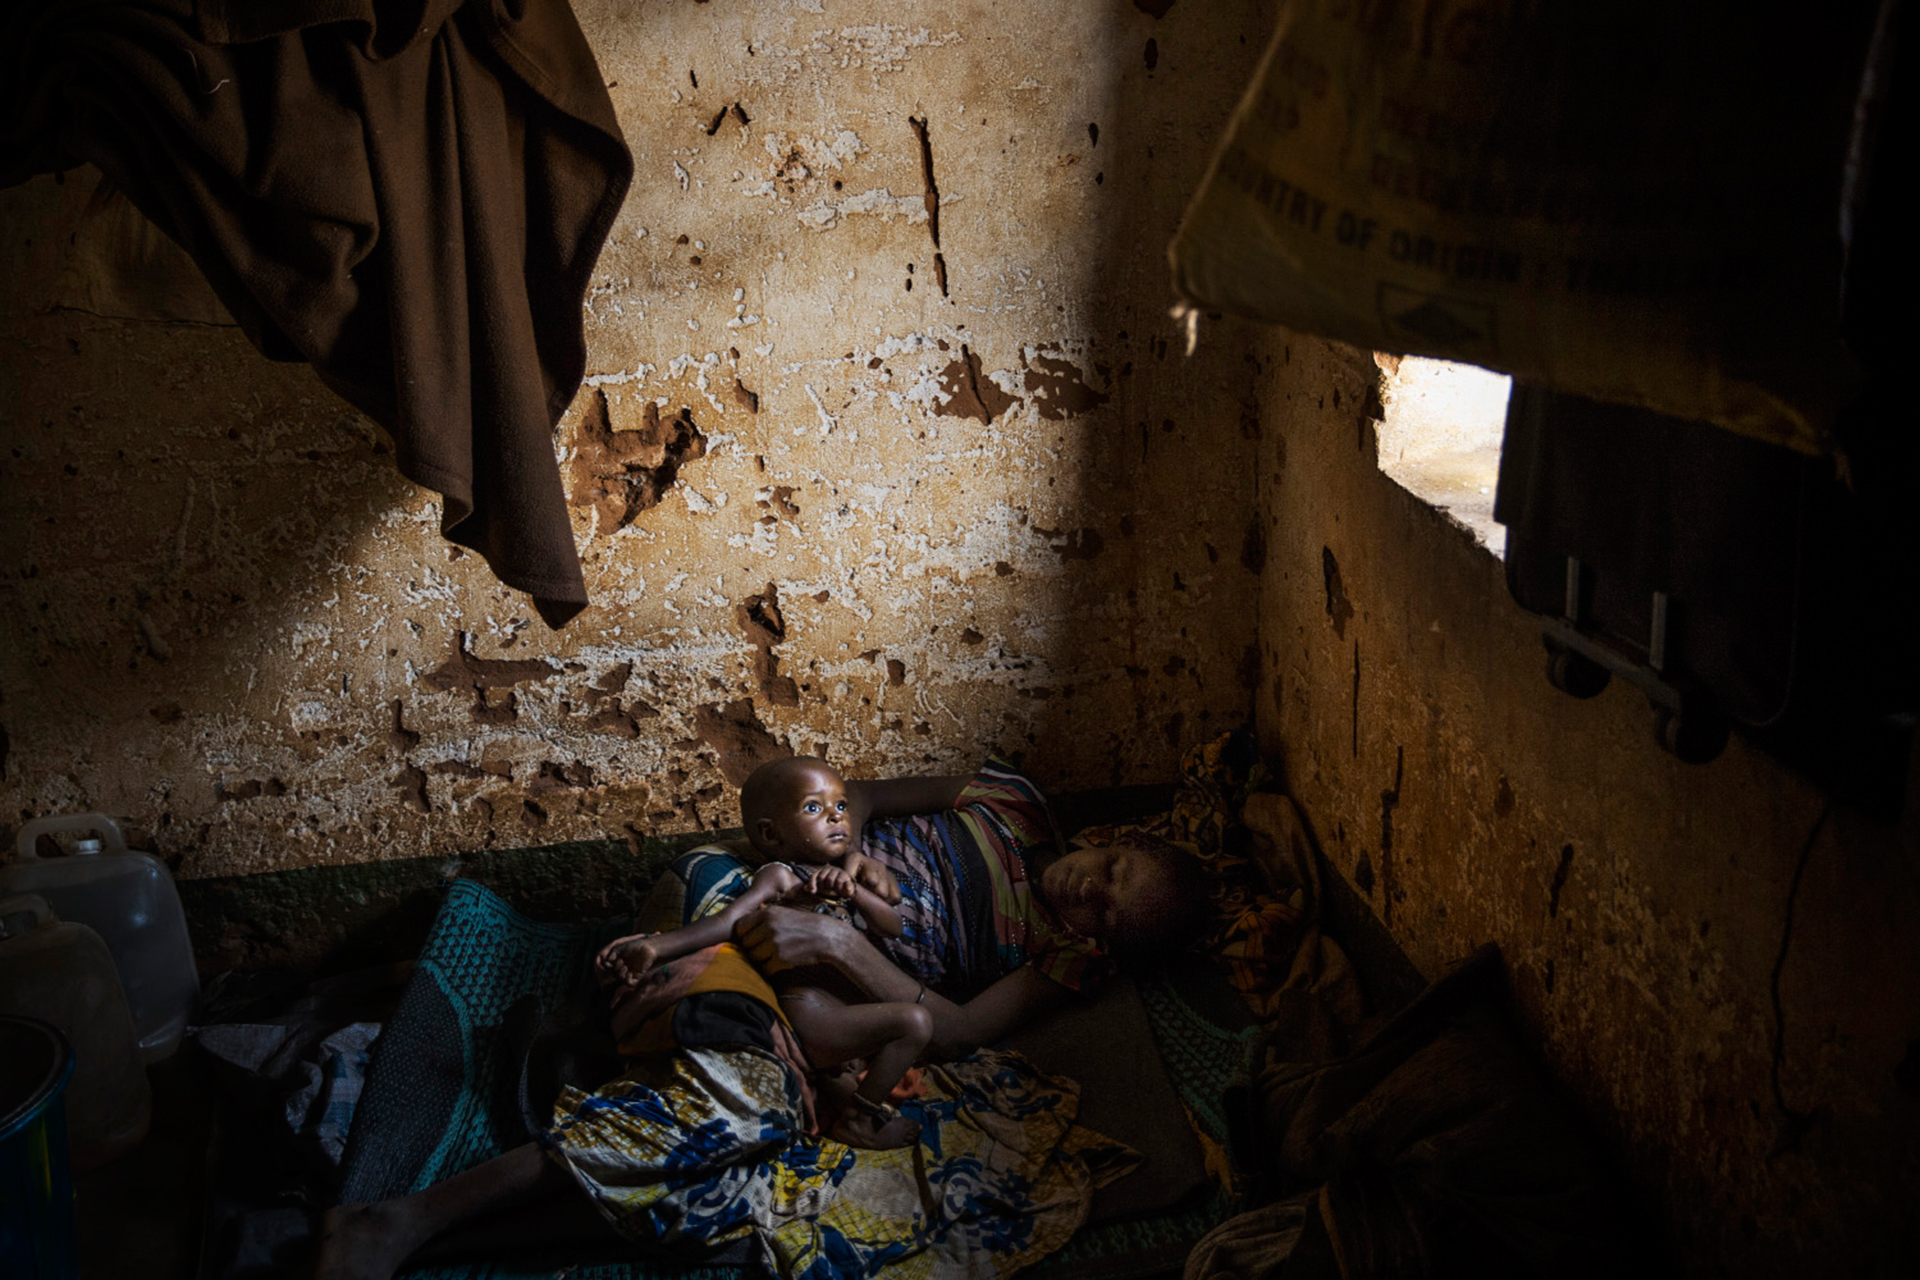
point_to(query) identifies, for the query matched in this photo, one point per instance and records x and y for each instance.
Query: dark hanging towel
(408, 194)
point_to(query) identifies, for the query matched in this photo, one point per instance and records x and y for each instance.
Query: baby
(795, 813)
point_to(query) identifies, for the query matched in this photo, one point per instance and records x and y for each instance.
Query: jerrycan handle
(111, 840)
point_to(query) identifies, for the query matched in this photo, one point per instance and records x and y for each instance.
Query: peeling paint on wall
(1058, 387)
(622, 473)
(818, 510)
(741, 743)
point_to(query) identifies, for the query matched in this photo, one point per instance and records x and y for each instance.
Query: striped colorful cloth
(967, 900)
(697, 884)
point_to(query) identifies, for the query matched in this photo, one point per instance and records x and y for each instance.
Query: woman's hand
(777, 938)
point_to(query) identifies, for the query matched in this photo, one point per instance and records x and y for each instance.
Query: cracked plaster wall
(887, 451)
(1734, 1006)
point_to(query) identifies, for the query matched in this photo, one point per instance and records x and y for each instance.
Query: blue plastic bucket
(36, 1191)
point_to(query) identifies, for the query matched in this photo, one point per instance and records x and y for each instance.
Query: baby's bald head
(793, 807)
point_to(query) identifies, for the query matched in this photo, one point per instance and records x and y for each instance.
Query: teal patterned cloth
(442, 1089)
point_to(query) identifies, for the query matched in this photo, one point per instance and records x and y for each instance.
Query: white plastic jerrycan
(60, 972)
(130, 900)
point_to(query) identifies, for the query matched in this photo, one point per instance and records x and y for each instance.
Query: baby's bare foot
(642, 957)
(628, 961)
(877, 1129)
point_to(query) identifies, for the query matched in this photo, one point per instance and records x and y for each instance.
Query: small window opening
(1440, 439)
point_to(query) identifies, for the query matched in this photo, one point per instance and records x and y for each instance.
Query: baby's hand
(830, 882)
(875, 877)
(625, 961)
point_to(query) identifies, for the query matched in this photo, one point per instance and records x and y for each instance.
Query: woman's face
(1118, 894)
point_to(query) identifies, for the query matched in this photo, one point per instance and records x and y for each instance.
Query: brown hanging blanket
(409, 194)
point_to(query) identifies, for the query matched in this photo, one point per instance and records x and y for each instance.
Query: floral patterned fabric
(709, 1147)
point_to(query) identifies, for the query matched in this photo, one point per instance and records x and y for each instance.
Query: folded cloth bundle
(1437, 1150)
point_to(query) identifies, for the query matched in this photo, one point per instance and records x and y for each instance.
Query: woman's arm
(1021, 997)
(778, 938)
(900, 797)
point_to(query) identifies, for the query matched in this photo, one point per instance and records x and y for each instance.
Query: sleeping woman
(1001, 923)
(1001, 926)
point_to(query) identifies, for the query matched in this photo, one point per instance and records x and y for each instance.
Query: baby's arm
(629, 959)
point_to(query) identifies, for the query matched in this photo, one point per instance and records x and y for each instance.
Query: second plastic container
(129, 899)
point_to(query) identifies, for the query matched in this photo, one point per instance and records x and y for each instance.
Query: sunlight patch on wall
(1440, 438)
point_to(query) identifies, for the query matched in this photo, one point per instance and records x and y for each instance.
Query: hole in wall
(1440, 437)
